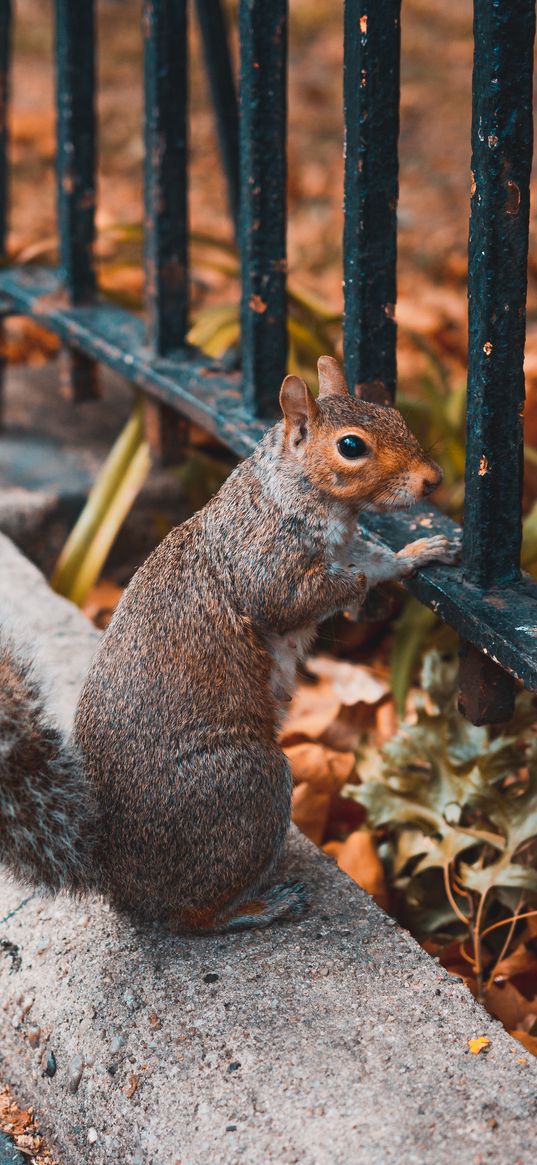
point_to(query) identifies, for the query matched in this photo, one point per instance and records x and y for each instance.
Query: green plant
(454, 808)
(114, 492)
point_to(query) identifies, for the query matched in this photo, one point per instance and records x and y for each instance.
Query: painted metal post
(371, 104)
(75, 88)
(165, 199)
(502, 142)
(5, 60)
(263, 116)
(165, 187)
(214, 33)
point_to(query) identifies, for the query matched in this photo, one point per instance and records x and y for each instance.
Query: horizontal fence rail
(487, 601)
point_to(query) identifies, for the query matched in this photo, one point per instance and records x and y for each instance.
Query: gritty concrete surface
(334, 1040)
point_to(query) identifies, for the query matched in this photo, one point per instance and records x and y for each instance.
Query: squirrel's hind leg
(285, 902)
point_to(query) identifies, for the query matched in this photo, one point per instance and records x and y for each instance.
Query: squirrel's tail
(47, 812)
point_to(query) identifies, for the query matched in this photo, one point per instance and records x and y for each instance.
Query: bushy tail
(47, 813)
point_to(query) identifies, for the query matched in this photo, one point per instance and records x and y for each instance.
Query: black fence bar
(502, 138)
(371, 104)
(263, 109)
(214, 33)
(165, 186)
(501, 622)
(5, 61)
(75, 166)
(5, 54)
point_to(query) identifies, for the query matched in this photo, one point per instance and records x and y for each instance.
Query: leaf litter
(444, 835)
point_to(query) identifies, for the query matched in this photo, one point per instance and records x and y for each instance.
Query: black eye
(352, 447)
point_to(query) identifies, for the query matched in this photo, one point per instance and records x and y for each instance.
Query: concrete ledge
(335, 1040)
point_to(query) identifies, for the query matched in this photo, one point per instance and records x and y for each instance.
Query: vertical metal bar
(5, 47)
(214, 33)
(263, 109)
(487, 692)
(165, 431)
(5, 56)
(371, 104)
(502, 142)
(165, 187)
(502, 139)
(75, 87)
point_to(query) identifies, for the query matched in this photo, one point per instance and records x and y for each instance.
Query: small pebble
(234, 1066)
(93, 1136)
(211, 977)
(74, 1072)
(51, 1067)
(34, 1035)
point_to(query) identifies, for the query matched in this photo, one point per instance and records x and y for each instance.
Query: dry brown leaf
(351, 682)
(358, 857)
(312, 710)
(310, 811)
(134, 1080)
(20, 1124)
(521, 960)
(324, 768)
(529, 1042)
(509, 1005)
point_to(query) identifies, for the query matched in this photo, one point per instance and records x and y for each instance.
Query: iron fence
(490, 604)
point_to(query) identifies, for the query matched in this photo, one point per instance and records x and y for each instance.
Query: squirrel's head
(360, 453)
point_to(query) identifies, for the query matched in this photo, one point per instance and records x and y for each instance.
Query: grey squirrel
(172, 797)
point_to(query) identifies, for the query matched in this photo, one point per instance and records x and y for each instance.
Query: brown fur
(178, 718)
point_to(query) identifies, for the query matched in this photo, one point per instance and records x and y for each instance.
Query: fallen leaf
(358, 857)
(324, 768)
(319, 773)
(529, 1042)
(481, 1044)
(312, 710)
(310, 811)
(132, 1085)
(521, 960)
(509, 1005)
(351, 682)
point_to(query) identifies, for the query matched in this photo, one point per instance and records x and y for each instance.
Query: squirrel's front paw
(439, 548)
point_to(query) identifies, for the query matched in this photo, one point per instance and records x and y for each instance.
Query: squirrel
(171, 797)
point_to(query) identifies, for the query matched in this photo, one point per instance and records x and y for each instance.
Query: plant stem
(505, 946)
(450, 897)
(477, 936)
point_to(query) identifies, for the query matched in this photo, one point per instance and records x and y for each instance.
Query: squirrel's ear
(331, 379)
(298, 406)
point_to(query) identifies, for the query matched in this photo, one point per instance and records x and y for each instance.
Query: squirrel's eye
(352, 447)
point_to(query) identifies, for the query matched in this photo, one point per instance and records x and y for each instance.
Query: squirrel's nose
(432, 481)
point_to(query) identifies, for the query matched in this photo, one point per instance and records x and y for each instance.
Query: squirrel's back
(176, 726)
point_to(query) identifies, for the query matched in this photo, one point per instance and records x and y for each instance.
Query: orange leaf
(351, 682)
(509, 1005)
(358, 857)
(529, 1042)
(312, 710)
(310, 811)
(319, 773)
(481, 1044)
(324, 768)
